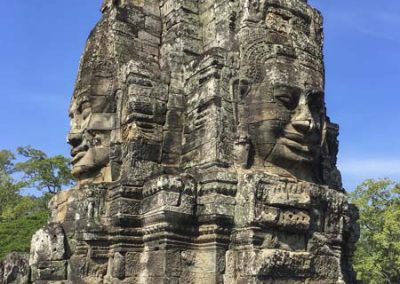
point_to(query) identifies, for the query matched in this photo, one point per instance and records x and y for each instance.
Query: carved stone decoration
(203, 151)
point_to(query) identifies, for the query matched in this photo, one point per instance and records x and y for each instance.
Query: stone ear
(244, 88)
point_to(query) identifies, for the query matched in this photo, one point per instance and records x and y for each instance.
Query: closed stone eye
(289, 101)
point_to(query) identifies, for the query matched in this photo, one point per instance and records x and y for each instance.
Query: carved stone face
(286, 115)
(92, 120)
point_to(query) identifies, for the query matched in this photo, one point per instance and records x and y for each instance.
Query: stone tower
(202, 150)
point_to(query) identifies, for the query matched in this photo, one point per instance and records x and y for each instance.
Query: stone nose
(74, 139)
(303, 121)
(303, 126)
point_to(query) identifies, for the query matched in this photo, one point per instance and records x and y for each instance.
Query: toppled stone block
(48, 244)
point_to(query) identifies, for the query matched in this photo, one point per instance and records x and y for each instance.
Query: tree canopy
(22, 215)
(50, 174)
(377, 258)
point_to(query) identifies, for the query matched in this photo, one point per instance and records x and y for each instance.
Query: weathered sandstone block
(203, 151)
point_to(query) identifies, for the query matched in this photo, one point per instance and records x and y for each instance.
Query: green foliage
(24, 206)
(21, 216)
(44, 173)
(9, 187)
(6, 162)
(16, 235)
(377, 258)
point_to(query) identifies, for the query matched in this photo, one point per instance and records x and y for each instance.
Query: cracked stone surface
(14, 269)
(203, 151)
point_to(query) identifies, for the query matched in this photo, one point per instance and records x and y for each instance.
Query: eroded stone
(203, 151)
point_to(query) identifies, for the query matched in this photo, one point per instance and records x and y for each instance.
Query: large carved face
(286, 115)
(93, 108)
(92, 120)
(283, 78)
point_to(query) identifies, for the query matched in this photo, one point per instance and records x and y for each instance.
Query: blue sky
(42, 40)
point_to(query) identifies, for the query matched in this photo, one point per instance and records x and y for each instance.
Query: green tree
(20, 215)
(44, 173)
(377, 258)
(9, 187)
(24, 206)
(16, 234)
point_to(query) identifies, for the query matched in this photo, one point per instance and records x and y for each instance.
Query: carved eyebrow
(287, 87)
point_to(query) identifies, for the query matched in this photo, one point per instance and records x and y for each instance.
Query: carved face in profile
(92, 120)
(286, 115)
